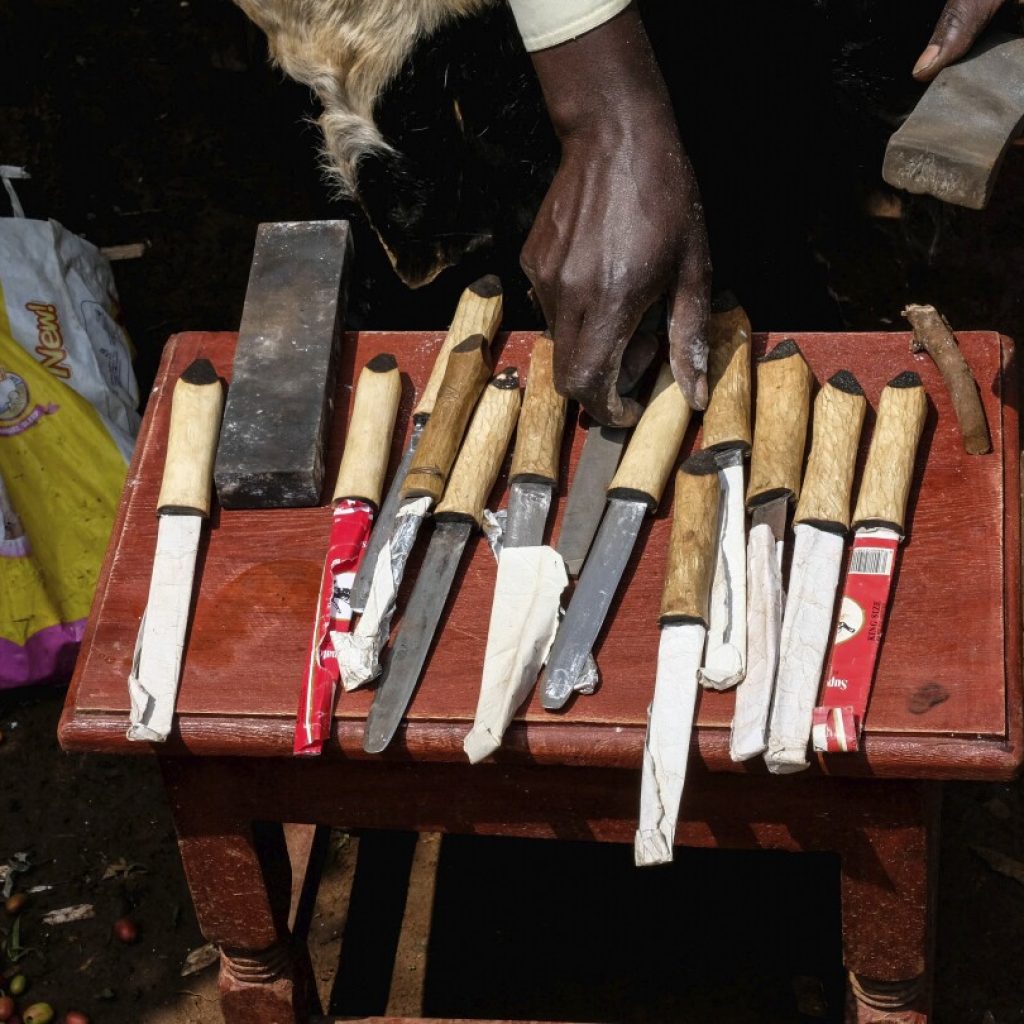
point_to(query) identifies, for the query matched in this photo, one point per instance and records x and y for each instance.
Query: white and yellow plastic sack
(68, 421)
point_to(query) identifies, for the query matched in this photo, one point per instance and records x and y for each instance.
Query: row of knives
(726, 618)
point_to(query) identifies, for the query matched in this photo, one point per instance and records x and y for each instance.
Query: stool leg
(238, 885)
(888, 881)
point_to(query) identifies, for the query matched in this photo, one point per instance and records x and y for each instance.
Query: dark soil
(160, 121)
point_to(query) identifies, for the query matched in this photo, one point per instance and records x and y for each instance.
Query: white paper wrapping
(156, 667)
(667, 744)
(359, 651)
(749, 735)
(813, 579)
(524, 620)
(725, 661)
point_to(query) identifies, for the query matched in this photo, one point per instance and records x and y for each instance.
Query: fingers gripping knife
(684, 618)
(598, 461)
(531, 576)
(478, 312)
(879, 524)
(183, 504)
(635, 490)
(356, 497)
(726, 433)
(780, 434)
(821, 521)
(465, 377)
(459, 513)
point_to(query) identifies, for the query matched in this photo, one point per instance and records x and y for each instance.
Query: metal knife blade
(592, 599)
(385, 524)
(599, 459)
(667, 743)
(419, 623)
(749, 734)
(528, 507)
(813, 580)
(156, 670)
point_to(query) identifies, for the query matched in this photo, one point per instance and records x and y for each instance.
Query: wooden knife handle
(838, 417)
(539, 437)
(478, 312)
(727, 417)
(368, 438)
(692, 545)
(483, 451)
(654, 446)
(780, 424)
(196, 407)
(469, 366)
(882, 499)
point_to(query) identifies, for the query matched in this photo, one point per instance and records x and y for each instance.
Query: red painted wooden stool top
(954, 625)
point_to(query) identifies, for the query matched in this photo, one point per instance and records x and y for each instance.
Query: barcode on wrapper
(871, 561)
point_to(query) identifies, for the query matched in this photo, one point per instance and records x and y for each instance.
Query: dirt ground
(160, 121)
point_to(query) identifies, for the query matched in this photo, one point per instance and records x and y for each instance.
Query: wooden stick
(933, 335)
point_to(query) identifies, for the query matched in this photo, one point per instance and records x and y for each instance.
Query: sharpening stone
(952, 144)
(279, 405)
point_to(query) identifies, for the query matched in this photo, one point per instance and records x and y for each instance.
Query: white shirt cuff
(544, 23)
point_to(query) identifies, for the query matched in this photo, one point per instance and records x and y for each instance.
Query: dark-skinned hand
(621, 226)
(959, 25)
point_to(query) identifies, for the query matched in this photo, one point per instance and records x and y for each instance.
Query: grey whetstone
(279, 405)
(953, 143)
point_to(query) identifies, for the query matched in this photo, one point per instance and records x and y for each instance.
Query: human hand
(960, 23)
(621, 225)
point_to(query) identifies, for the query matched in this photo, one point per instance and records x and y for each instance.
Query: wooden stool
(946, 704)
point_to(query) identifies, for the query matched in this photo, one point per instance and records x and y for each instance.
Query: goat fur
(347, 52)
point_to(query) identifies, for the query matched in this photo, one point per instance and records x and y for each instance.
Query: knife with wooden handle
(465, 377)
(879, 524)
(459, 513)
(478, 312)
(357, 494)
(780, 434)
(197, 405)
(531, 575)
(821, 522)
(684, 621)
(598, 461)
(635, 490)
(534, 474)
(726, 433)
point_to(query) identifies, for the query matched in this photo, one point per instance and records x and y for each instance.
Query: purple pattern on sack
(48, 656)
